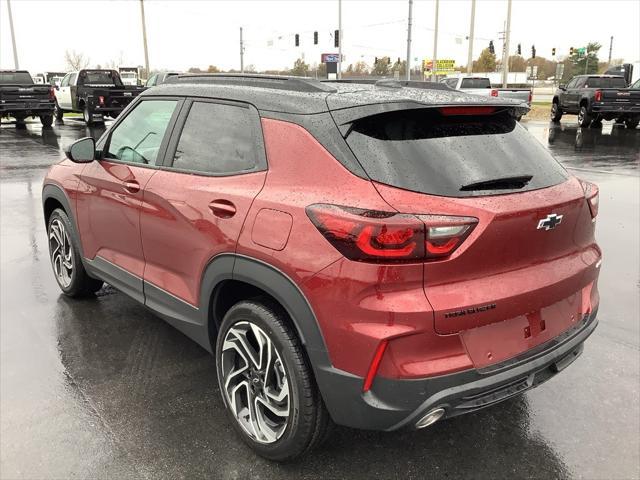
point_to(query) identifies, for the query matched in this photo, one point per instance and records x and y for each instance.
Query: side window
(152, 81)
(452, 82)
(65, 80)
(218, 139)
(572, 83)
(580, 82)
(138, 137)
(72, 79)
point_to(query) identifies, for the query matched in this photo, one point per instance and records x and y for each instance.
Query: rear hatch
(519, 277)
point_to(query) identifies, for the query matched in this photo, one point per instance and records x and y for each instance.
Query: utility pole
(340, 39)
(13, 36)
(408, 68)
(241, 52)
(610, 50)
(473, 21)
(434, 67)
(144, 38)
(505, 55)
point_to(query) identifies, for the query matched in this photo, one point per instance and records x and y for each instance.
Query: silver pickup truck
(482, 86)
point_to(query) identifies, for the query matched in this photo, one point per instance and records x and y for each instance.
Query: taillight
(375, 364)
(494, 93)
(530, 96)
(101, 99)
(598, 96)
(52, 94)
(592, 195)
(386, 237)
(466, 110)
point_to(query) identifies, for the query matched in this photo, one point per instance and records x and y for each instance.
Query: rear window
(611, 82)
(99, 78)
(23, 78)
(427, 152)
(475, 83)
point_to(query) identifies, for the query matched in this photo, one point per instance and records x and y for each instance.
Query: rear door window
(218, 139)
(425, 151)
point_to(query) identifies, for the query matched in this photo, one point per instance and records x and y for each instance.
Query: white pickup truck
(482, 86)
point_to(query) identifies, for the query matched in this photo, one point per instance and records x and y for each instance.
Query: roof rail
(393, 83)
(278, 82)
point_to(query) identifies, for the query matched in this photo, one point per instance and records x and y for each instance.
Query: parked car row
(96, 93)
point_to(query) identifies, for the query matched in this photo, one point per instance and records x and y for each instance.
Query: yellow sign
(442, 66)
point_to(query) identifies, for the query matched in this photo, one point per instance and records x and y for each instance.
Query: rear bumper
(615, 108)
(26, 109)
(394, 404)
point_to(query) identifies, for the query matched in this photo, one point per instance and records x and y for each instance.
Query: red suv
(379, 256)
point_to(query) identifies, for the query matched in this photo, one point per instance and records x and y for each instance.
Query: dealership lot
(102, 388)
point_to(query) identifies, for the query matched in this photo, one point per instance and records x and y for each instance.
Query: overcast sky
(183, 34)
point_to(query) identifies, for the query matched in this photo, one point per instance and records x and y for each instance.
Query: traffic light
(336, 38)
(297, 40)
(315, 38)
(553, 52)
(533, 51)
(570, 50)
(492, 50)
(519, 49)
(375, 61)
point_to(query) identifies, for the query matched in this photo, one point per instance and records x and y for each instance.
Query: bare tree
(75, 60)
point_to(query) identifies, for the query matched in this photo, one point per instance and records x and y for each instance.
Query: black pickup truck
(21, 98)
(595, 98)
(95, 93)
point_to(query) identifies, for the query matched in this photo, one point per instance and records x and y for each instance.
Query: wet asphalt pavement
(102, 388)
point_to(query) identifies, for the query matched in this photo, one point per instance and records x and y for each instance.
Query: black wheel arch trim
(53, 191)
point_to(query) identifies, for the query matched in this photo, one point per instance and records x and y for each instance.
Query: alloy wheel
(255, 382)
(61, 254)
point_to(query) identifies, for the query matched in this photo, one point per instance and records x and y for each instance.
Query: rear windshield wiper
(505, 183)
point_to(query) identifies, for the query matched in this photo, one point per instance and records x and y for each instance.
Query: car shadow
(156, 392)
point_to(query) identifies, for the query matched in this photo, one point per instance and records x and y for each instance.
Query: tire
(584, 119)
(46, 120)
(66, 260)
(518, 118)
(632, 123)
(303, 421)
(58, 112)
(556, 112)
(86, 115)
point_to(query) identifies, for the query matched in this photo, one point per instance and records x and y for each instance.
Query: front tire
(584, 119)
(266, 383)
(556, 112)
(66, 260)
(58, 112)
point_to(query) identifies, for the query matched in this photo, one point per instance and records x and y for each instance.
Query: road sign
(582, 51)
(532, 72)
(330, 57)
(442, 66)
(559, 71)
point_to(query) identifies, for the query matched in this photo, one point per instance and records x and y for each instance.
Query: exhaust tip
(430, 418)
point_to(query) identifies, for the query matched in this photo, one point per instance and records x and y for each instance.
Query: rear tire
(58, 112)
(302, 419)
(556, 112)
(66, 260)
(86, 114)
(632, 123)
(584, 119)
(46, 120)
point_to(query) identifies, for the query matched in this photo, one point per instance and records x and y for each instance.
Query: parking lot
(103, 388)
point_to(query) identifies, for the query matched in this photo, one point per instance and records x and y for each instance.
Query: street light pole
(610, 50)
(471, 28)
(408, 68)
(435, 46)
(241, 52)
(505, 55)
(340, 39)
(13, 36)
(144, 38)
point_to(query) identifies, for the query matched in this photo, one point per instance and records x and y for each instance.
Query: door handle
(222, 208)
(131, 186)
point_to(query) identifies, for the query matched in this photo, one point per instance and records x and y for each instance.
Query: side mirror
(56, 86)
(82, 151)
(562, 86)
